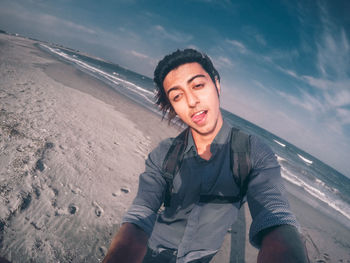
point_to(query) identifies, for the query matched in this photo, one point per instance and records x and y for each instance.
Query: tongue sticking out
(198, 118)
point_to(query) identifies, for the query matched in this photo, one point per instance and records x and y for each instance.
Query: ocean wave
(304, 159)
(320, 191)
(279, 158)
(146, 94)
(278, 142)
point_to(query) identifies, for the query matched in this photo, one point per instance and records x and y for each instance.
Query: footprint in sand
(98, 209)
(39, 165)
(123, 190)
(75, 189)
(102, 250)
(26, 199)
(72, 209)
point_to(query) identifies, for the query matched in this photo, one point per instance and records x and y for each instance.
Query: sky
(284, 65)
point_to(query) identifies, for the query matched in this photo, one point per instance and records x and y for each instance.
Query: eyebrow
(188, 82)
(194, 77)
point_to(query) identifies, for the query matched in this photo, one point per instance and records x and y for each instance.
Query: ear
(218, 87)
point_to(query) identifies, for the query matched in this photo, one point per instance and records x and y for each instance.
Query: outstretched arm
(282, 244)
(128, 246)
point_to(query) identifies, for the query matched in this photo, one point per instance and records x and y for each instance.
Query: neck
(203, 141)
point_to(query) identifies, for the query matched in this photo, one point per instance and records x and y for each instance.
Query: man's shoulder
(157, 155)
(164, 145)
(261, 154)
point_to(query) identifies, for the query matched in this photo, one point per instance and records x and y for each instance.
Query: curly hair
(173, 61)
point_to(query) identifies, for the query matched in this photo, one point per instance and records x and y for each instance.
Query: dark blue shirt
(197, 229)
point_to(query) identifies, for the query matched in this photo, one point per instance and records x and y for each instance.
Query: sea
(306, 177)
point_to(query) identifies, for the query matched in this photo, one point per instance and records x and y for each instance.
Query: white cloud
(222, 62)
(339, 98)
(193, 47)
(344, 114)
(329, 91)
(332, 61)
(53, 21)
(259, 84)
(327, 107)
(253, 32)
(238, 45)
(172, 35)
(333, 52)
(37, 21)
(345, 41)
(291, 73)
(317, 83)
(139, 55)
(306, 102)
(260, 39)
(227, 5)
(288, 72)
(267, 90)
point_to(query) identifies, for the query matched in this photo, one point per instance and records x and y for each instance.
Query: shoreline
(64, 72)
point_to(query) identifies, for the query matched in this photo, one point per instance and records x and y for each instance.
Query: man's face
(194, 98)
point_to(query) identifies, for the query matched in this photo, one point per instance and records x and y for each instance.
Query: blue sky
(285, 65)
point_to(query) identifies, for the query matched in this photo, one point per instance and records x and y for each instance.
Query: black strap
(219, 199)
(172, 163)
(240, 160)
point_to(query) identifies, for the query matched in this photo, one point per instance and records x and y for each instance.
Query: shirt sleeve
(150, 194)
(266, 193)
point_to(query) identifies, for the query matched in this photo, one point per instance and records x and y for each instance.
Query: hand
(128, 246)
(282, 244)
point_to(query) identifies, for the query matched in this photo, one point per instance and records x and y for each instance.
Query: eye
(198, 86)
(176, 97)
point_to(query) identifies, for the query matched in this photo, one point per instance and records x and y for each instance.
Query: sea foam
(319, 190)
(278, 142)
(305, 159)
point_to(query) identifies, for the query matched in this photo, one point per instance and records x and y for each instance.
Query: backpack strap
(240, 160)
(172, 163)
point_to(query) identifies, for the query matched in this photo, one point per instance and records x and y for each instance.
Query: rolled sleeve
(150, 194)
(266, 193)
(141, 216)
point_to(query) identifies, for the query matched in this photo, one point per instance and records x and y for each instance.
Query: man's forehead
(187, 70)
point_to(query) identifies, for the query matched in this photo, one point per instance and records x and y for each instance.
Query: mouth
(199, 117)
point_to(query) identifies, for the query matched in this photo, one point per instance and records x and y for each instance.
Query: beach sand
(326, 239)
(71, 153)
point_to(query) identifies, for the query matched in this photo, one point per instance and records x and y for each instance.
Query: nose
(192, 99)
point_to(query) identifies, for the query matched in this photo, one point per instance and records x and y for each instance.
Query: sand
(71, 151)
(326, 239)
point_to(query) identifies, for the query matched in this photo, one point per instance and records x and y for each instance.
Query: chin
(203, 130)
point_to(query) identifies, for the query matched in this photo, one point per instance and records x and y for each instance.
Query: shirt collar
(221, 138)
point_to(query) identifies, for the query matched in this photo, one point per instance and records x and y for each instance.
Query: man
(190, 229)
